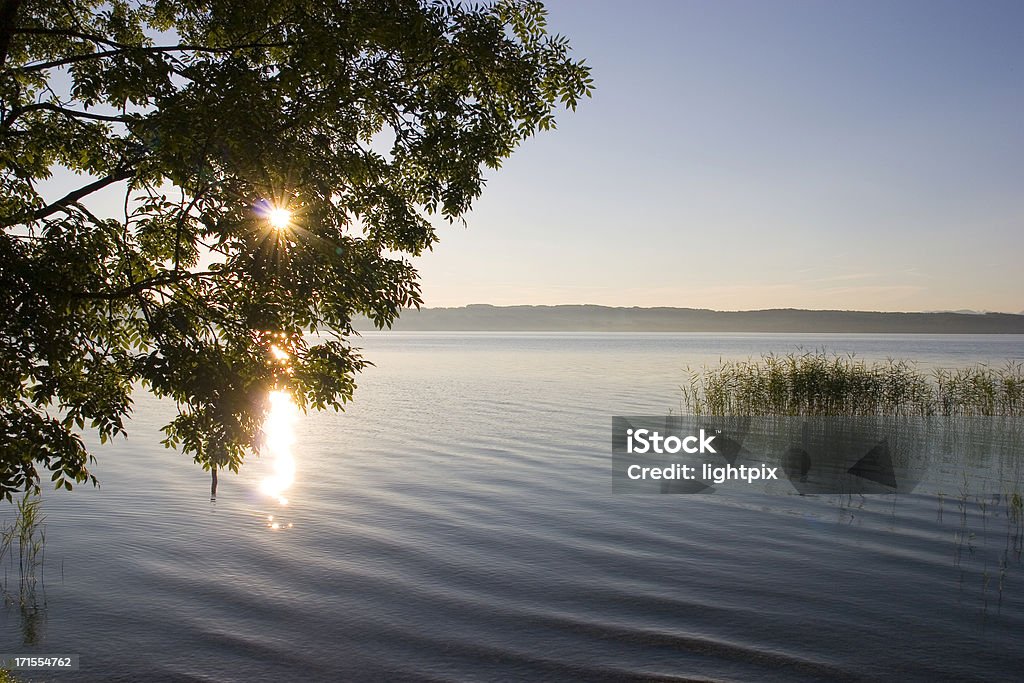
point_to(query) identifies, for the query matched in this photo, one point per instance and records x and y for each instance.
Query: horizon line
(960, 311)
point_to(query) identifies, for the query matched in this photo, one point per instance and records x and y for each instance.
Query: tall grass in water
(823, 384)
(820, 384)
(27, 535)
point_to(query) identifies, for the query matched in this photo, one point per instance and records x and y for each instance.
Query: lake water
(457, 523)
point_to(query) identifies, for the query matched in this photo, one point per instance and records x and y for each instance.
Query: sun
(279, 218)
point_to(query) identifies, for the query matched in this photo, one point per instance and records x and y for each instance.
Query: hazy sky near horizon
(748, 154)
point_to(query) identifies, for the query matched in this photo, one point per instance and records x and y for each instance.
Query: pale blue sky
(743, 154)
(738, 155)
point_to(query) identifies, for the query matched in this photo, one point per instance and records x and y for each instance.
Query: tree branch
(155, 49)
(8, 10)
(84, 114)
(72, 197)
(43, 66)
(43, 31)
(165, 278)
(181, 225)
(17, 112)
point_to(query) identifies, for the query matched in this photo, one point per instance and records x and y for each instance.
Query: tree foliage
(363, 118)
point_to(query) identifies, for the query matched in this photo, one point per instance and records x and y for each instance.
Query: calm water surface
(457, 524)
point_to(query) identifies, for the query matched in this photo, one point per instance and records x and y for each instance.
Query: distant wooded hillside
(583, 318)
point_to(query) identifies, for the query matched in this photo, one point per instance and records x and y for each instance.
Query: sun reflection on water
(278, 438)
(276, 525)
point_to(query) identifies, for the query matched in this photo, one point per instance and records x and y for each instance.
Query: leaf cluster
(364, 118)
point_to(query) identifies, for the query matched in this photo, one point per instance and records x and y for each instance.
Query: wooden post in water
(213, 483)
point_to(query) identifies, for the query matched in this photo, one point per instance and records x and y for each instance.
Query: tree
(275, 164)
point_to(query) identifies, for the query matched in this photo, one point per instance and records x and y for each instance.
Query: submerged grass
(824, 384)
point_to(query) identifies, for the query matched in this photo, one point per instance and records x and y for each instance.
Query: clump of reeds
(27, 533)
(980, 390)
(822, 384)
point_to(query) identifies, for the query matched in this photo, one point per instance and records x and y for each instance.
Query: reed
(26, 534)
(817, 383)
